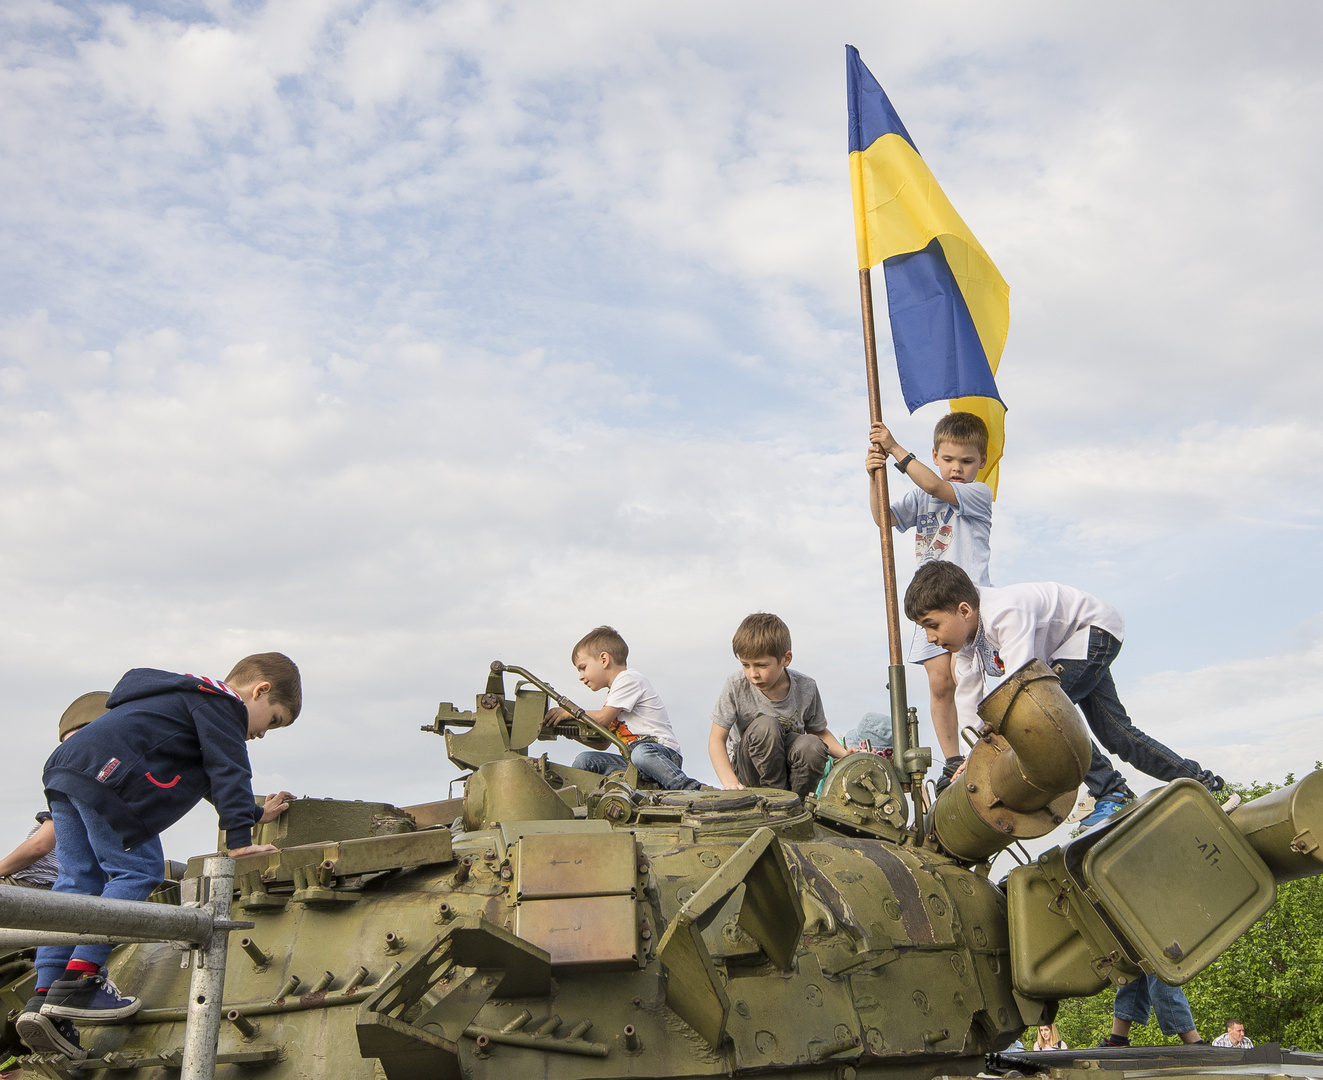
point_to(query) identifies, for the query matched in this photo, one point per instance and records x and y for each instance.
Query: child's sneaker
(1083, 808)
(93, 999)
(1102, 810)
(1114, 1040)
(43, 1035)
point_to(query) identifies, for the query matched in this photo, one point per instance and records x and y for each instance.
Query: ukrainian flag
(950, 308)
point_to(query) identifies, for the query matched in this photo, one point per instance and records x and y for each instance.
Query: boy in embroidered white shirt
(632, 710)
(995, 631)
(950, 512)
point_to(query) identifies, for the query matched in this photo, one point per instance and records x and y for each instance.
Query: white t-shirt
(958, 534)
(641, 710)
(1019, 623)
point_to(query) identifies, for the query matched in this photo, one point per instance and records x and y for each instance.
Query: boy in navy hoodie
(166, 742)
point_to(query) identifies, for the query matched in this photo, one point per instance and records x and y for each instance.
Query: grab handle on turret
(580, 716)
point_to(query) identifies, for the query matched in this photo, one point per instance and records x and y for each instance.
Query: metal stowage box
(1177, 879)
(315, 821)
(575, 864)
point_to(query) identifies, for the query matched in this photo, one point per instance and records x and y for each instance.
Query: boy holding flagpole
(949, 309)
(950, 511)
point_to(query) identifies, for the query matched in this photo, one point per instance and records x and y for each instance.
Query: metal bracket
(772, 914)
(414, 1020)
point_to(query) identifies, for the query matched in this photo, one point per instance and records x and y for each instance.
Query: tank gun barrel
(1285, 826)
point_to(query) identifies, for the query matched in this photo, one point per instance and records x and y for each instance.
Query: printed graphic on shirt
(106, 769)
(212, 686)
(932, 534)
(787, 722)
(619, 727)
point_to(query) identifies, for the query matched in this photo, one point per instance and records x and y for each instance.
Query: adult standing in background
(1235, 1036)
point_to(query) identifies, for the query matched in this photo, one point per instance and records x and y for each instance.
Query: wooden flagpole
(911, 760)
(878, 489)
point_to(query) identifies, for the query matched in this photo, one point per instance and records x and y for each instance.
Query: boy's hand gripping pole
(913, 761)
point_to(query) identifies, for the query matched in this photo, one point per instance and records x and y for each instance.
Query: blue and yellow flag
(950, 308)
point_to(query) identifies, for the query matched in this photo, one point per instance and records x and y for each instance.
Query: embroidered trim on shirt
(212, 686)
(987, 655)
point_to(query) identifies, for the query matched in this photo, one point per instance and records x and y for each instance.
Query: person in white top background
(1235, 1036)
(997, 631)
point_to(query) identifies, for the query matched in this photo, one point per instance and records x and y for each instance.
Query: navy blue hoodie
(166, 742)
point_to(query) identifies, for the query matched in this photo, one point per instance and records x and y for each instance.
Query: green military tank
(556, 923)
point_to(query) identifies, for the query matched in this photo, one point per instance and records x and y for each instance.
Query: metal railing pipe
(13, 940)
(37, 909)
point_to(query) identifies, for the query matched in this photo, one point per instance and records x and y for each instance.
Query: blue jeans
(1088, 683)
(93, 862)
(1136, 997)
(656, 762)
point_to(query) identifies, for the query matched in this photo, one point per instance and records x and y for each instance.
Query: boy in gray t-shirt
(768, 728)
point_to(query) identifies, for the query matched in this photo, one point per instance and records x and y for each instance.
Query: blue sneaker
(93, 999)
(42, 1035)
(1102, 810)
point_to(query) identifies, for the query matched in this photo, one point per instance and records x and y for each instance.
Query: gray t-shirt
(741, 701)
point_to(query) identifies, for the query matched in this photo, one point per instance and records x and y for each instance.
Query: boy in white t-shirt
(997, 631)
(632, 710)
(950, 512)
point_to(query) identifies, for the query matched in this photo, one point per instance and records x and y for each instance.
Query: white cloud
(1257, 718)
(408, 335)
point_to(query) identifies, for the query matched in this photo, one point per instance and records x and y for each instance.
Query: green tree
(1271, 978)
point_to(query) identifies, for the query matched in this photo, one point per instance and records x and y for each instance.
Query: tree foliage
(1271, 978)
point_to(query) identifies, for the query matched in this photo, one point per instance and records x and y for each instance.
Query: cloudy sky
(405, 336)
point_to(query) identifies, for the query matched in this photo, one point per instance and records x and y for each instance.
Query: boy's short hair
(277, 669)
(761, 634)
(963, 429)
(604, 639)
(938, 586)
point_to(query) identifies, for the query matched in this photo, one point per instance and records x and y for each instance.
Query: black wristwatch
(904, 463)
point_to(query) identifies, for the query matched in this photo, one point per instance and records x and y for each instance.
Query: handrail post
(207, 985)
